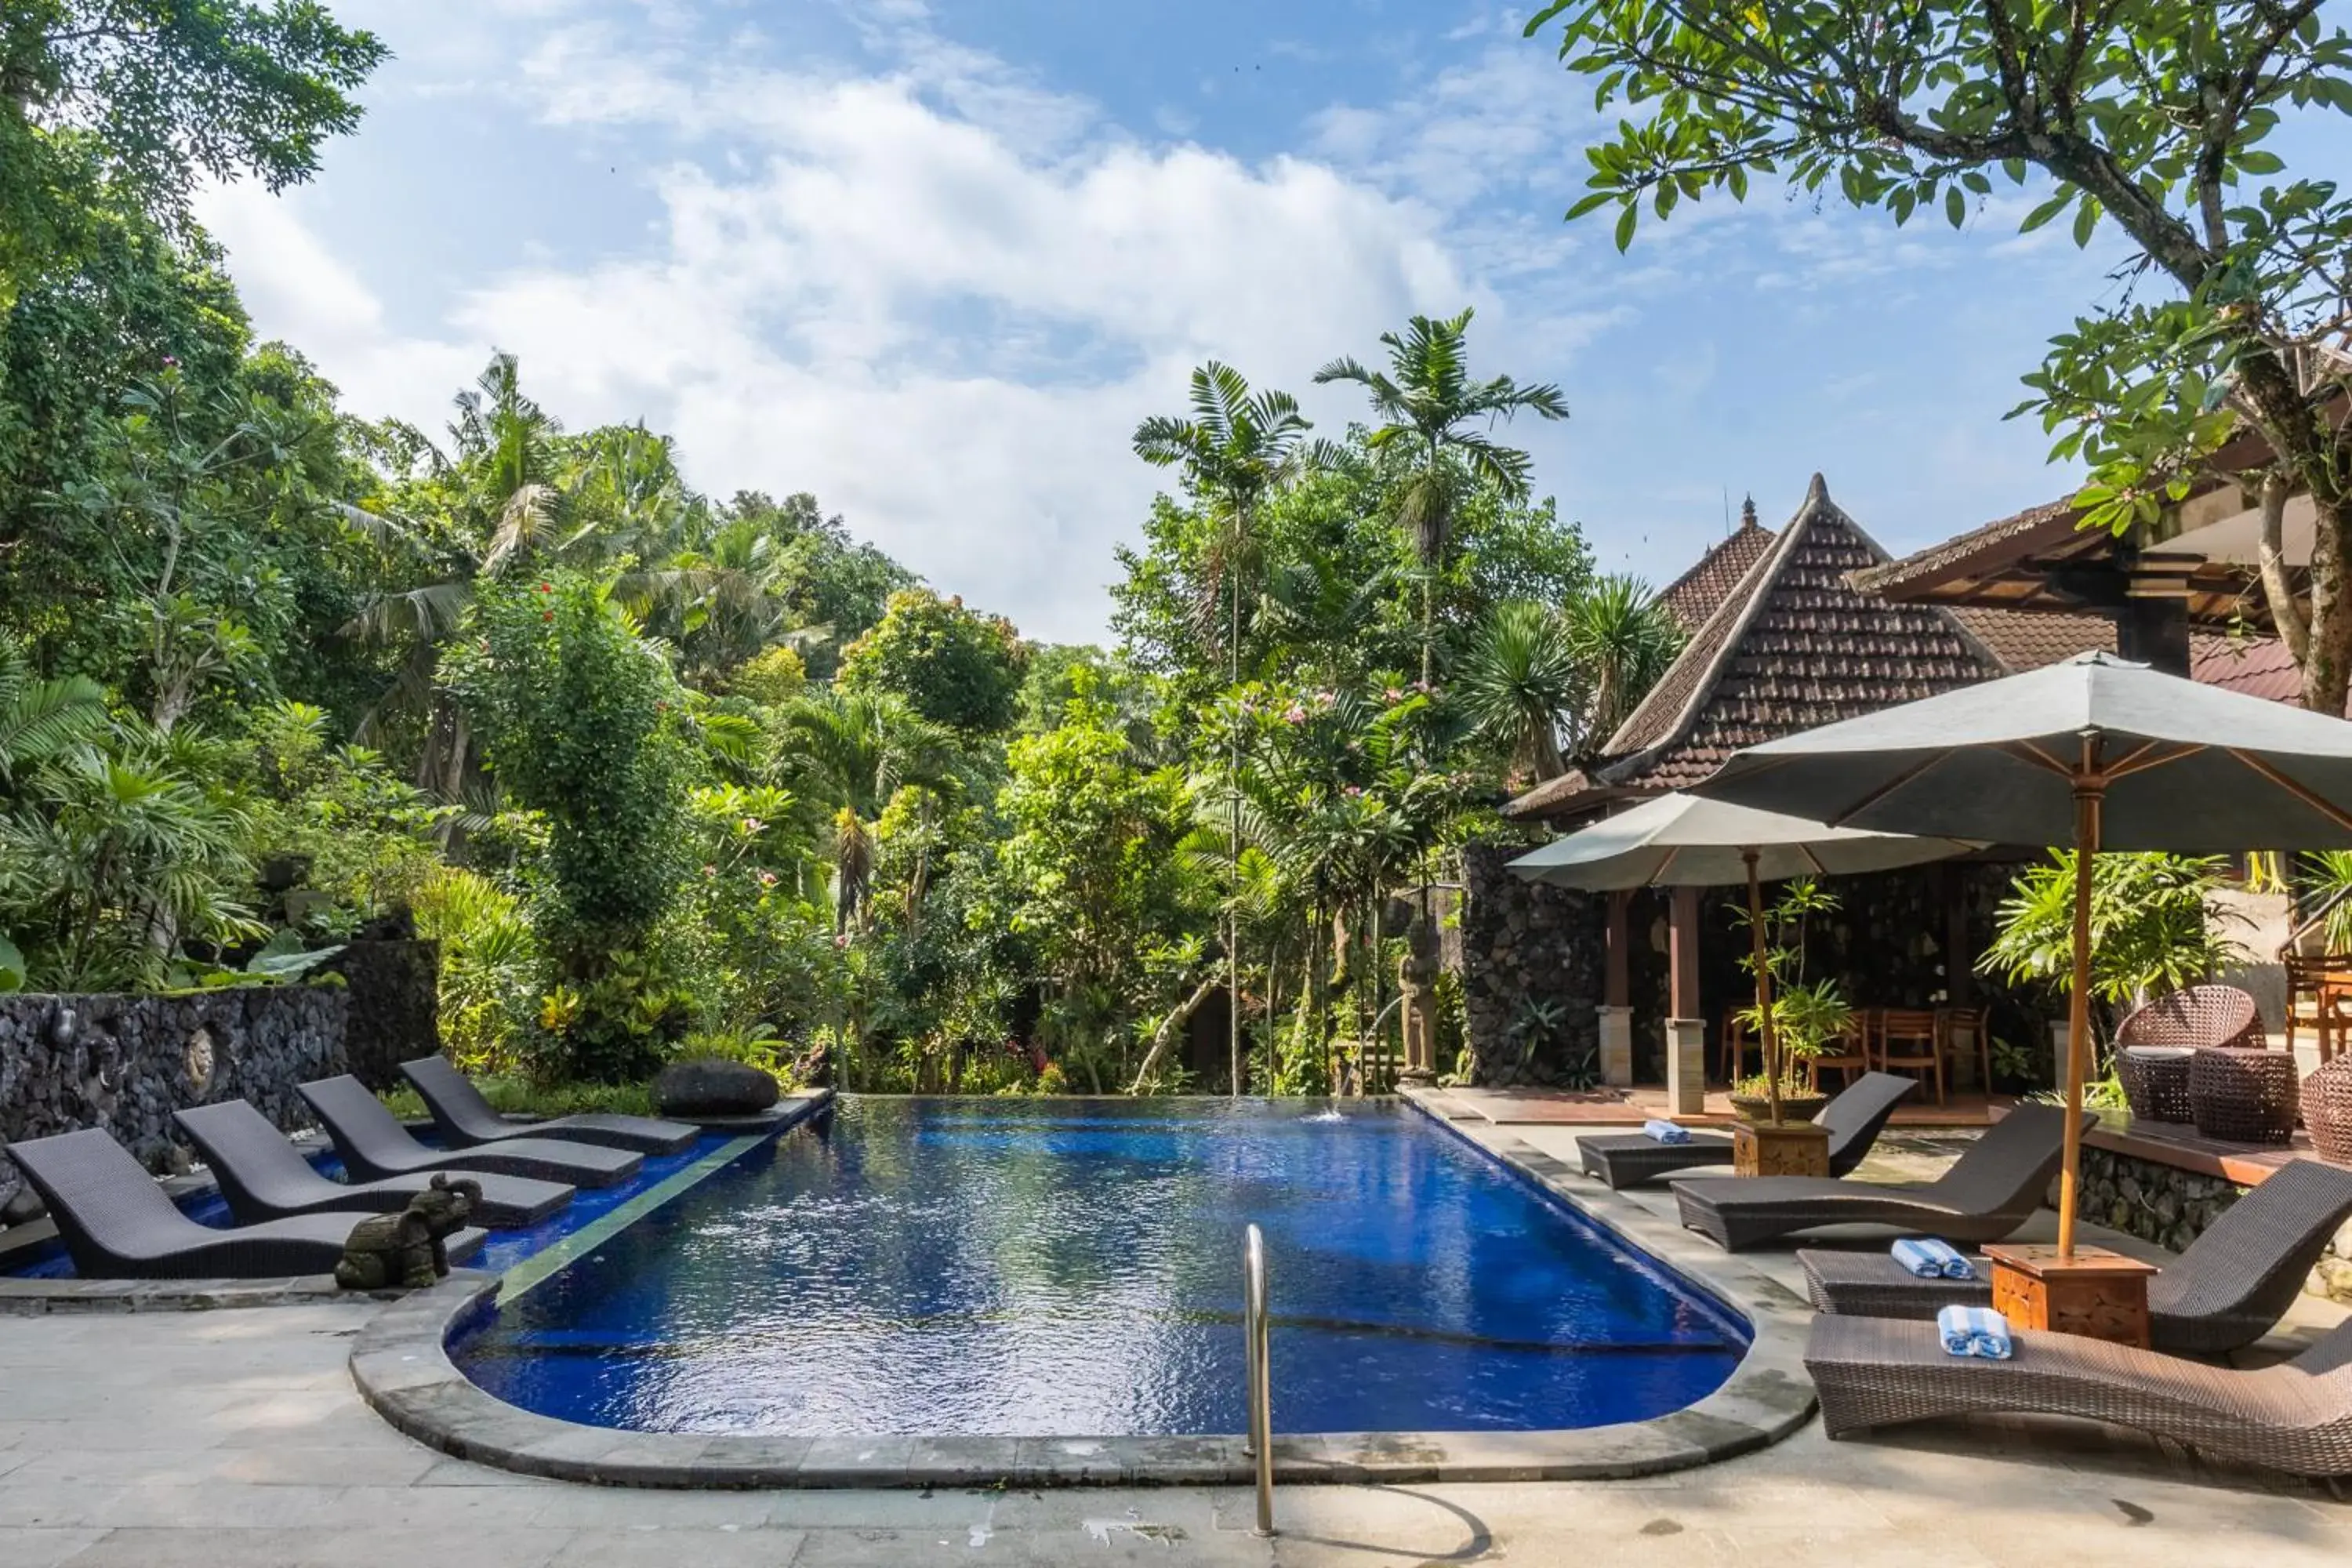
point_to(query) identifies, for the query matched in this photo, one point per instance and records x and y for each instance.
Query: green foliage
(368, 839)
(1807, 1015)
(489, 967)
(130, 104)
(578, 716)
(952, 666)
(2152, 929)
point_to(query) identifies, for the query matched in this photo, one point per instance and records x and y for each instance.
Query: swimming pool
(1024, 1268)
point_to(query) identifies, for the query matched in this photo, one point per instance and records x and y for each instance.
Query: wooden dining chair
(1732, 1047)
(1966, 1031)
(1910, 1041)
(1851, 1056)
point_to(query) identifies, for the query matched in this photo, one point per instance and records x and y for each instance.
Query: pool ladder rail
(1260, 1392)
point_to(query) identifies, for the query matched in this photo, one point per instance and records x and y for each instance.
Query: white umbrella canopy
(1683, 841)
(2177, 765)
(2097, 753)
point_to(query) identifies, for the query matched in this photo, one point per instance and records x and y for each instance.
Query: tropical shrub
(954, 666)
(577, 715)
(2152, 927)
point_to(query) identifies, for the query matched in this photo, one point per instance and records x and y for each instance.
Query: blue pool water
(1072, 1268)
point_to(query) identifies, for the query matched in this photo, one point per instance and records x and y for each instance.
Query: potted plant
(1806, 1017)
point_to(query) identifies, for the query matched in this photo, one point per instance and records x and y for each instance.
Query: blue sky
(932, 261)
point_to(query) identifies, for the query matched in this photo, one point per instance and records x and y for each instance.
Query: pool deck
(235, 1438)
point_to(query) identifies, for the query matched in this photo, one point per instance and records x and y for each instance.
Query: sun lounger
(2229, 1290)
(375, 1146)
(2296, 1415)
(118, 1224)
(264, 1177)
(1993, 1189)
(1854, 1119)
(466, 1118)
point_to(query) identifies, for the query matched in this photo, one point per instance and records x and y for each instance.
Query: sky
(932, 261)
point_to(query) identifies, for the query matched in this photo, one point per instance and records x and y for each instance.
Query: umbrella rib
(1813, 860)
(1665, 865)
(2040, 758)
(2333, 813)
(2131, 763)
(1889, 787)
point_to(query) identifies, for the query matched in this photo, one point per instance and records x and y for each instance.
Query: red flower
(547, 614)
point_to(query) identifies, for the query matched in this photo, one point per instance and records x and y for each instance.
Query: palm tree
(41, 720)
(1429, 405)
(1235, 450)
(1522, 675)
(851, 751)
(1623, 640)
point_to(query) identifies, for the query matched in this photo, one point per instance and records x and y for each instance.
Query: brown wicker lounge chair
(118, 1224)
(2294, 1417)
(376, 1147)
(1854, 1119)
(2195, 1016)
(264, 1177)
(1991, 1190)
(464, 1119)
(2229, 1290)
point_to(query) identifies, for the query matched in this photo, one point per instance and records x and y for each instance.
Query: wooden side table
(2097, 1294)
(1781, 1149)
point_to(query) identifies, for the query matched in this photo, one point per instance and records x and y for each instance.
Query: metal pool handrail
(1261, 1380)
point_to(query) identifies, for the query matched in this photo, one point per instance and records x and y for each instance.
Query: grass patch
(518, 1096)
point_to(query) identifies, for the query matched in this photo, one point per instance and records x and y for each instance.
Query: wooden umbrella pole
(1764, 1029)
(2090, 789)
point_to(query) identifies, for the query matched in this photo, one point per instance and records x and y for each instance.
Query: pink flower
(767, 878)
(841, 939)
(711, 870)
(1393, 695)
(1352, 791)
(1294, 714)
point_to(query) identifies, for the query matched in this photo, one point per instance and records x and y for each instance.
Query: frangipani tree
(2150, 117)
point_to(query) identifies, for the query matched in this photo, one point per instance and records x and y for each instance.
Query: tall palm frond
(1520, 679)
(1624, 641)
(42, 719)
(1427, 403)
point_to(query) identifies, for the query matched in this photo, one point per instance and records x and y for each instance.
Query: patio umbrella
(2097, 753)
(1683, 841)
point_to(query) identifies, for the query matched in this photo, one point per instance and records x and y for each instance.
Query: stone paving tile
(672, 1548)
(42, 1548)
(622, 1508)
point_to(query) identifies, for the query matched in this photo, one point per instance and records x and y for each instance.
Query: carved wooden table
(2097, 1294)
(1780, 1148)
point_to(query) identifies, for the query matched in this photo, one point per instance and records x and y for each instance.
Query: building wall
(125, 1063)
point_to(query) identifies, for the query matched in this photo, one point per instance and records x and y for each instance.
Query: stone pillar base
(1616, 1046)
(1685, 1067)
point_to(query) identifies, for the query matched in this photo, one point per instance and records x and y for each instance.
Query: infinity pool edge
(401, 1365)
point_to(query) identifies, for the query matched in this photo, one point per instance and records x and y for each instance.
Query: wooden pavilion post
(1615, 1014)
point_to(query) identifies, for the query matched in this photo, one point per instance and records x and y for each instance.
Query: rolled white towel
(1975, 1332)
(1662, 1132)
(1920, 1257)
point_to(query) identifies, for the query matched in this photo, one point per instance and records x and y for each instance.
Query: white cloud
(940, 297)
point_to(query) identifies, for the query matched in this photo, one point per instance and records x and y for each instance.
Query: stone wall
(126, 1063)
(2172, 1208)
(395, 998)
(2162, 1203)
(1524, 943)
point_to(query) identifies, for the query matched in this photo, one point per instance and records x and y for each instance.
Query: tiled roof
(1694, 596)
(1793, 647)
(2258, 667)
(2011, 536)
(2029, 640)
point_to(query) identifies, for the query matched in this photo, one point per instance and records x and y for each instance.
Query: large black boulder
(712, 1086)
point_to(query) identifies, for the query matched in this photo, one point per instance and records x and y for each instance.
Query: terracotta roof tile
(1794, 647)
(2259, 667)
(2027, 641)
(1694, 596)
